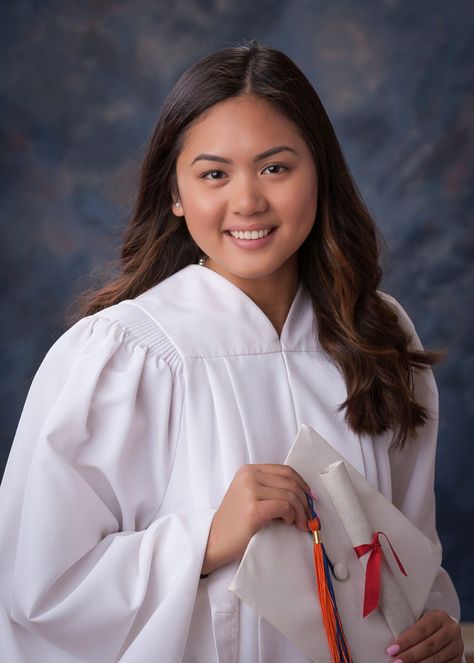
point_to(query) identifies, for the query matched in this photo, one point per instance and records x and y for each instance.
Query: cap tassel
(331, 619)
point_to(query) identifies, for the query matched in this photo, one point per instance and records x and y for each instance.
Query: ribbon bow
(372, 574)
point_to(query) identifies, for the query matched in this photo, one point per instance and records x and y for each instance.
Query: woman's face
(228, 181)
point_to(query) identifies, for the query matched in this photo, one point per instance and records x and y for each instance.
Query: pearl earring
(177, 204)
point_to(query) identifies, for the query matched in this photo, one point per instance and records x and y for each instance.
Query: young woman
(151, 446)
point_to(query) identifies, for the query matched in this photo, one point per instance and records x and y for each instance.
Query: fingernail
(399, 660)
(313, 495)
(394, 649)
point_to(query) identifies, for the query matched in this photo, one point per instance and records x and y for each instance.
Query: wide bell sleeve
(413, 472)
(89, 572)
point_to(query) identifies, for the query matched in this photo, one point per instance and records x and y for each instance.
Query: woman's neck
(273, 293)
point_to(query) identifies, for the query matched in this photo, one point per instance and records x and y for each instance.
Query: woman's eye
(275, 169)
(212, 172)
(276, 165)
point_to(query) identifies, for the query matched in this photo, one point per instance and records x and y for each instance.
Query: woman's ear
(177, 208)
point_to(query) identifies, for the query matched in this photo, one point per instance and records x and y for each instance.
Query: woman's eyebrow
(258, 157)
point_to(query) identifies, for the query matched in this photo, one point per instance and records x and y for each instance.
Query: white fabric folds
(134, 427)
(277, 577)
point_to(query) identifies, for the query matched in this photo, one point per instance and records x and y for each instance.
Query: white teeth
(249, 234)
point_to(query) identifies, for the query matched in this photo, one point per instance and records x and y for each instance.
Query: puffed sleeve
(413, 472)
(89, 572)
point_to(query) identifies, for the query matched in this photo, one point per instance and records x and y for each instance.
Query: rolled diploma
(392, 603)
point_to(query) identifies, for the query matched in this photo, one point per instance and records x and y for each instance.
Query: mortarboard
(276, 576)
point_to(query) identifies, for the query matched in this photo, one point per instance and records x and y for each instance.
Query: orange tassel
(334, 632)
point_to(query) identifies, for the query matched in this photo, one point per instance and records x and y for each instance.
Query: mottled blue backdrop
(84, 84)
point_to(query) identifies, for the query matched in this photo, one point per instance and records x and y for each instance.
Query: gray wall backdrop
(84, 84)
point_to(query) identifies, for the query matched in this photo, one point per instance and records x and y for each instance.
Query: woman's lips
(252, 243)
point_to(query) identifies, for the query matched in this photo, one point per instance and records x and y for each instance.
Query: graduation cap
(276, 576)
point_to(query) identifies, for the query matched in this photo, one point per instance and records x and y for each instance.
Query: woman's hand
(256, 495)
(435, 638)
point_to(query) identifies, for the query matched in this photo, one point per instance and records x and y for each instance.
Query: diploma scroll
(340, 489)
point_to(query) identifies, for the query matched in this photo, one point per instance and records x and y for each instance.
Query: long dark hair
(338, 262)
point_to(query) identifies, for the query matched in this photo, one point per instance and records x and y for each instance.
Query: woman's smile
(254, 239)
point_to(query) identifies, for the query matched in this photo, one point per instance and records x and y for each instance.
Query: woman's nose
(247, 197)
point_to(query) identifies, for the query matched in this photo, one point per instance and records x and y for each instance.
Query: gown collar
(225, 320)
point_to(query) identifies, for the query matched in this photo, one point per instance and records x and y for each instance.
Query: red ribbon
(372, 574)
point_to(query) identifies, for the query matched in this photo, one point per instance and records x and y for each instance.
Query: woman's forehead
(242, 124)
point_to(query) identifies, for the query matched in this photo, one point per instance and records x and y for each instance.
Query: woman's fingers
(283, 499)
(269, 510)
(281, 483)
(434, 637)
(289, 485)
(283, 471)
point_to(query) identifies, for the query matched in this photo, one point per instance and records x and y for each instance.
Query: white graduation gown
(133, 429)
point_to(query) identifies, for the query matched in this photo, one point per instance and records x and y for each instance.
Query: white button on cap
(341, 571)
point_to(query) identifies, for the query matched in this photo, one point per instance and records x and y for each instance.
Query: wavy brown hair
(338, 262)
